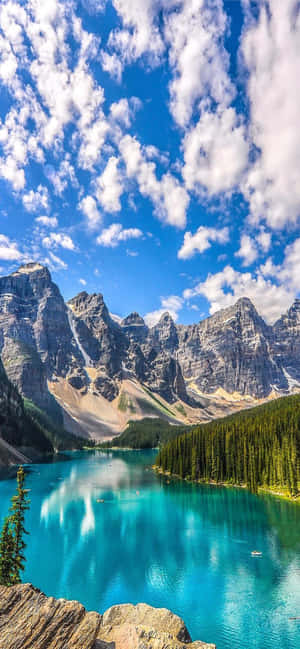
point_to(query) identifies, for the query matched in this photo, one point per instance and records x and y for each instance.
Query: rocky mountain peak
(133, 320)
(31, 267)
(166, 318)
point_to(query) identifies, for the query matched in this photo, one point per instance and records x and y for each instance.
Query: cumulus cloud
(225, 288)
(115, 234)
(112, 64)
(9, 250)
(169, 197)
(140, 34)
(59, 92)
(172, 304)
(252, 246)
(271, 51)
(215, 152)
(202, 240)
(47, 221)
(89, 208)
(109, 186)
(288, 272)
(62, 177)
(272, 288)
(58, 240)
(248, 250)
(34, 201)
(194, 33)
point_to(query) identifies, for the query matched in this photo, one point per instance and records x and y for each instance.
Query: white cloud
(58, 239)
(9, 250)
(112, 64)
(109, 186)
(254, 245)
(168, 195)
(202, 240)
(271, 50)
(264, 240)
(288, 272)
(89, 208)
(140, 34)
(120, 112)
(62, 177)
(94, 6)
(172, 304)
(54, 262)
(248, 250)
(114, 234)
(59, 92)
(82, 281)
(199, 62)
(224, 288)
(215, 152)
(34, 201)
(47, 221)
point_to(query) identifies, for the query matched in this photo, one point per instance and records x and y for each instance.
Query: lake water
(180, 546)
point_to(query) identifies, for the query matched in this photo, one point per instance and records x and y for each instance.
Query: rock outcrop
(30, 620)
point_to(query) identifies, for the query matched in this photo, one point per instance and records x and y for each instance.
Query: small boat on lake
(100, 500)
(256, 554)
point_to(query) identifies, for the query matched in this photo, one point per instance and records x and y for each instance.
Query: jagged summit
(30, 267)
(82, 347)
(165, 318)
(133, 319)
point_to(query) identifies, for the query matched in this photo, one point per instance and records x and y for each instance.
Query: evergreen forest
(259, 447)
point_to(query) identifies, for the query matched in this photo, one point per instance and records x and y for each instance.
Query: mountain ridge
(76, 354)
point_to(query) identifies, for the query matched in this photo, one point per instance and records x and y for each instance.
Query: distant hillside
(146, 433)
(257, 448)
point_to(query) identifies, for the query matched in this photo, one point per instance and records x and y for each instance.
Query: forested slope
(257, 448)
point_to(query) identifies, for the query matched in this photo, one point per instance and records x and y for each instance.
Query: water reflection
(174, 545)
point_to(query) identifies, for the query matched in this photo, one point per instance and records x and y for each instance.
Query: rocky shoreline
(30, 620)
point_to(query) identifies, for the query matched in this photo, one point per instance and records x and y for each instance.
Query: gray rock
(30, 619)
(42, 338)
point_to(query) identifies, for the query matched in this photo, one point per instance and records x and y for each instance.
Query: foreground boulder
(30, 620)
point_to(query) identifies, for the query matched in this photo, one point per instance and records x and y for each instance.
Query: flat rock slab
(30, 620)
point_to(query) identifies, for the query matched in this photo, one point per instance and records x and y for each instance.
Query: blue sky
(150, 150)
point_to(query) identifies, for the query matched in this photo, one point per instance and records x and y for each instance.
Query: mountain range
(77, 361)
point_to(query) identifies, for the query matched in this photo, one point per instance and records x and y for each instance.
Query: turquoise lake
(176, 545)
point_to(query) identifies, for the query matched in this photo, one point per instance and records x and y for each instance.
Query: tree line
(12, 544)
(258, 447)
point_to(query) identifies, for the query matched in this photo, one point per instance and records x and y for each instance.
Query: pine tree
(259, 447)
(20, 504)
(6, 554)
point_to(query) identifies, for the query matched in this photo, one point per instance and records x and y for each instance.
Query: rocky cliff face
(118, 350)
(36, 342)
(44, 340)
(233, 350)
(30, 620)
